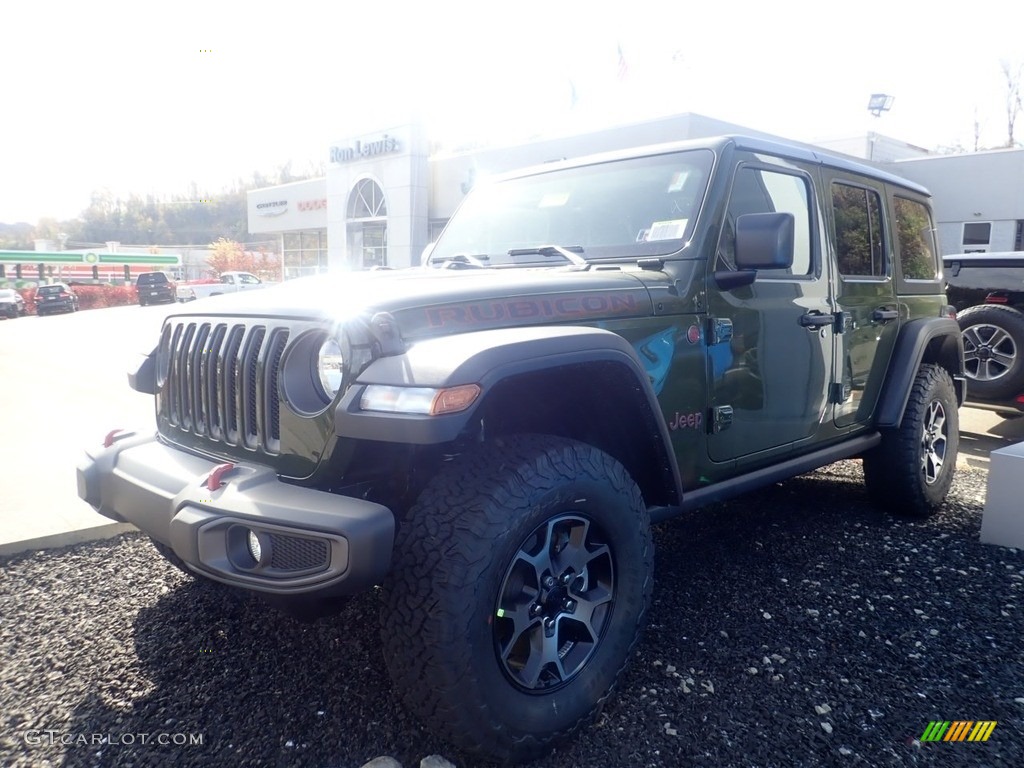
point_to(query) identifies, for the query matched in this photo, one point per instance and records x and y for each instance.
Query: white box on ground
(1003, 520)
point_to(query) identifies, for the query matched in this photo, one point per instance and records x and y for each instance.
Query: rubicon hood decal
(570, 307)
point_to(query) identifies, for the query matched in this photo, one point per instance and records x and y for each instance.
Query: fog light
(255, 548)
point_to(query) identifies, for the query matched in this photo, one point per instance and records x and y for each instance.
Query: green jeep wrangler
(590, 347)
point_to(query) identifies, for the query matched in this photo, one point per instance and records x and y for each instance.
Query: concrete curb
(55, 540)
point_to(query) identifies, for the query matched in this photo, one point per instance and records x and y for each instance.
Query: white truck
(228, 282)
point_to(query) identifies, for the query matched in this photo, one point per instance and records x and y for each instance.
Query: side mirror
(764, 241)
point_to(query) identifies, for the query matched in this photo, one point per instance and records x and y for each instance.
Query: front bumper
(314, 543)
(54, 306)
(157, 297)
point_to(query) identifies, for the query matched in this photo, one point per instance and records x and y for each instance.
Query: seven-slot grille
(222, 381)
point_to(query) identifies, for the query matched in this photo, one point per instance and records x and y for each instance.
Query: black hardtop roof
(812, 154)
(795, 150)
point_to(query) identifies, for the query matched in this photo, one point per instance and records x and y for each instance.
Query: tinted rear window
(156, 278)
(47, 290)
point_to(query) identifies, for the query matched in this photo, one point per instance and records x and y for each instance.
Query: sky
(113, 97)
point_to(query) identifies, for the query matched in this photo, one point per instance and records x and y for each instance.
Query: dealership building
(385, 196)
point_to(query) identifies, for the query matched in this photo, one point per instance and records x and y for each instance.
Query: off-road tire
(455, 553)
(993, 351)
(902, 474)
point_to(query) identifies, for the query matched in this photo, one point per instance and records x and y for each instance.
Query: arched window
(368, 225)
(367, 201)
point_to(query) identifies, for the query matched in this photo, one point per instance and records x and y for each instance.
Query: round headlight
(330, 366)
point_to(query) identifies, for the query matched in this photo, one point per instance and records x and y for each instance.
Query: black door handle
(816, 319)
(884, 315)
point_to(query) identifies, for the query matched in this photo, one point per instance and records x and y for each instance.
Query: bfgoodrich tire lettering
(447, 620)
(911, 471)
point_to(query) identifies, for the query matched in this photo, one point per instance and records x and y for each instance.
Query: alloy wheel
(989, 352)
(554, 603)
(933, 442)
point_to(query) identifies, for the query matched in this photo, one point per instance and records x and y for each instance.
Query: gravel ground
(795, 626)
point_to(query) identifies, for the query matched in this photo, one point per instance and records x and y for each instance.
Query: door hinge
(721, 418)
(719, 330)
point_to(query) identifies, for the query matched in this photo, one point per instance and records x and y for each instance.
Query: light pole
(877, 104)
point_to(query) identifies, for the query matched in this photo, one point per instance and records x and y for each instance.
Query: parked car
(986, 289)
(55, 298)
(228, 282)
(154, 288)
(11, 303)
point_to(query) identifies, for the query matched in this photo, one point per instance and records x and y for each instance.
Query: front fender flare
(484, 358)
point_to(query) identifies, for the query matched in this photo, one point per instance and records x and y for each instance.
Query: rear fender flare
(936, 340)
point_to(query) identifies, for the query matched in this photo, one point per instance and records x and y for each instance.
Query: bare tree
(1014, 75)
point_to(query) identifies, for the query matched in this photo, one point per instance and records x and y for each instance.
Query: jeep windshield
(622, 209)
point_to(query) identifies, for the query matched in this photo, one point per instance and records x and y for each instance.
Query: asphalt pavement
(64, 385)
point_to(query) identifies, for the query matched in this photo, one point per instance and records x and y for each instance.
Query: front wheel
(520, 584)
(911, 472)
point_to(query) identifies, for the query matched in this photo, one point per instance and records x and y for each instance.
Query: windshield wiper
(570, 253)
(461, 261)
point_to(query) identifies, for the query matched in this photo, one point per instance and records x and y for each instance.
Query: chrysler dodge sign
(272, 208)
(363, 150)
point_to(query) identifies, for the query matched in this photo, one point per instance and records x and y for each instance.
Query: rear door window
(915, 236)
(860, 242)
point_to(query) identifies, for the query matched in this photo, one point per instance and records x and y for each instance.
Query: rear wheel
(993, 350)
(521, 580)
(910, 473)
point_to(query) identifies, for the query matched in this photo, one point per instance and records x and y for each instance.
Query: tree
(231, 256)
(1013, 76)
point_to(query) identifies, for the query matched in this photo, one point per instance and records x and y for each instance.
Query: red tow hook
(214, 479)
(109, 439)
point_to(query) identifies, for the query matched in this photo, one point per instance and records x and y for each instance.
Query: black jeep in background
(987, 290)
(154, 288)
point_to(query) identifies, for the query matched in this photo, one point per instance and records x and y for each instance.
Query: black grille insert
(222, 381)
(290, 553)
